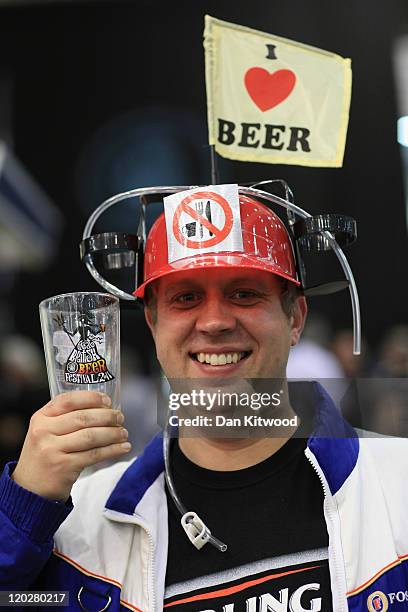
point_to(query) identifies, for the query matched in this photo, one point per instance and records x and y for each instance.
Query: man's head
(240, 304)
(233, 318)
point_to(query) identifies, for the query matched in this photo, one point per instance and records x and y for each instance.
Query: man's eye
(186, 298)
(244, 295)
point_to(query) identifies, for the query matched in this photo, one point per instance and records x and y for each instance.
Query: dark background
(111, 95)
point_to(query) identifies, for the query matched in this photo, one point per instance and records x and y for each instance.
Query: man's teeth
(221, 359)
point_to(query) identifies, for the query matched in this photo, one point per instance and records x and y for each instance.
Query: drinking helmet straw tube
(261, 242)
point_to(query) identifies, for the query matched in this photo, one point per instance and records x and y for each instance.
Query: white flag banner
(274, 100)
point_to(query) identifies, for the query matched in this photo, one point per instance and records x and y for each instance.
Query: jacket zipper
(152, 575)
(151, 579)
(340, 594)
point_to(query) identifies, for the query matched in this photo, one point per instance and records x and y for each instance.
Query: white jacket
(114, 543)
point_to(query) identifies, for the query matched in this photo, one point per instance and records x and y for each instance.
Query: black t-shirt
(271, 517)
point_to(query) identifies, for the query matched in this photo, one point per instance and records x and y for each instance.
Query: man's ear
(150, 320)
(298, 319)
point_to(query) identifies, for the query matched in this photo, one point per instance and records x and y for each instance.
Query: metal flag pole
(215, 175)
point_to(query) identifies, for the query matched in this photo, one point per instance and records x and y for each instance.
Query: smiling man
(223, 323)
(309, 516)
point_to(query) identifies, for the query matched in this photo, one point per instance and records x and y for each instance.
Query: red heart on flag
(269, 89)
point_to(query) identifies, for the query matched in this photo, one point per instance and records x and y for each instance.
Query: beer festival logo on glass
(85, 364)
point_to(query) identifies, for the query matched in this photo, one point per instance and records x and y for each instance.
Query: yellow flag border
(210, 41)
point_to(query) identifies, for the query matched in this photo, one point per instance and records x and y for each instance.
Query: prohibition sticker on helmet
(203, 220)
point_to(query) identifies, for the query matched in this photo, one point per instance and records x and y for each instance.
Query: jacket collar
(334, 443)
(138, 478)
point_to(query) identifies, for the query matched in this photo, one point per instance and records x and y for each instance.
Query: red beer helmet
(266, 246)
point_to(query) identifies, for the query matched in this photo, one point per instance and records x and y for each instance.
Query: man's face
(232, 318)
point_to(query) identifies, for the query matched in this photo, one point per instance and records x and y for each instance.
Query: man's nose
(216, 317)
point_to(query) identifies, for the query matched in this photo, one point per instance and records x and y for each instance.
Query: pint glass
(81, 334)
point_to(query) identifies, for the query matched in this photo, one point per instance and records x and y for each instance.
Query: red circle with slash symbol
(219, 233)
